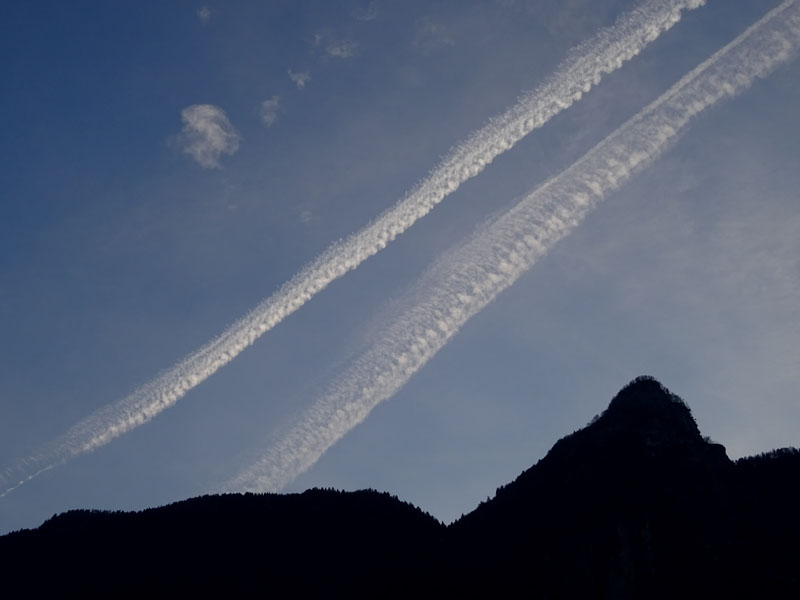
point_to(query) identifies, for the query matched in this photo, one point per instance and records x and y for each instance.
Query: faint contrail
(582, 69)
(467, 278)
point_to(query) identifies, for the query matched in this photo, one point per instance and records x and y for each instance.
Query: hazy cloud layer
(207, 134)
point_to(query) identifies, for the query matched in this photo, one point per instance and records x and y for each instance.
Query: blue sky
(120, 252)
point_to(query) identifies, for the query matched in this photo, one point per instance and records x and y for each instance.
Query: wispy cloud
(207, 134)
(204, 14)
(466, 279)
(299, 78)
(430, 35)
(269, 110)
(331, 46)
(366, 13)
(341, 49)
(604, 53)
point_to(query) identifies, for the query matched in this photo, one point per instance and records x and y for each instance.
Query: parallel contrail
(583, 68)
(466, 279)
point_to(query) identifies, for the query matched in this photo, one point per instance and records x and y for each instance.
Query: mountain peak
(646, 407)
(645, 424)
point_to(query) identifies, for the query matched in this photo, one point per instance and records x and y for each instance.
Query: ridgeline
(635, 505)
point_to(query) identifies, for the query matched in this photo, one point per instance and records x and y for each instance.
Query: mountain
(635, 505)
(320, 540)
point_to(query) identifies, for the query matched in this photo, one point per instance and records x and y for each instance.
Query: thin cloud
(269, 110)
(207, 134)
(466, 279)
(330, 46)
(367, 13)
(341, 49)
(429, 36)
(603, 54)
(204, 14)
(299, 78)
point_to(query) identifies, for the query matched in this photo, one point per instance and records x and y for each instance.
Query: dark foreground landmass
(635, 505)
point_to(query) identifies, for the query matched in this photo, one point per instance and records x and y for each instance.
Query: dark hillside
(318, 540)
(635, 505)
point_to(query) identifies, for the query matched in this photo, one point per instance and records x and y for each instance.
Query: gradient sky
(121, 252)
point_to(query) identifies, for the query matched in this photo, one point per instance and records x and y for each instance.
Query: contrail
(581, 70)
(466, 279)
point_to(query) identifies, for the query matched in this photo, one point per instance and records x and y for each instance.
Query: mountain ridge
(637, 504)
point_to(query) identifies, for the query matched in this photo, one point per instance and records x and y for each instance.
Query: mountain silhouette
(637, 504)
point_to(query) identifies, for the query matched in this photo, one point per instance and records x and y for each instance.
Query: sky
(166, 167)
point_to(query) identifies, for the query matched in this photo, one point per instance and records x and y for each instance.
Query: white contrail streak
(583, 68)
(466, 279)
